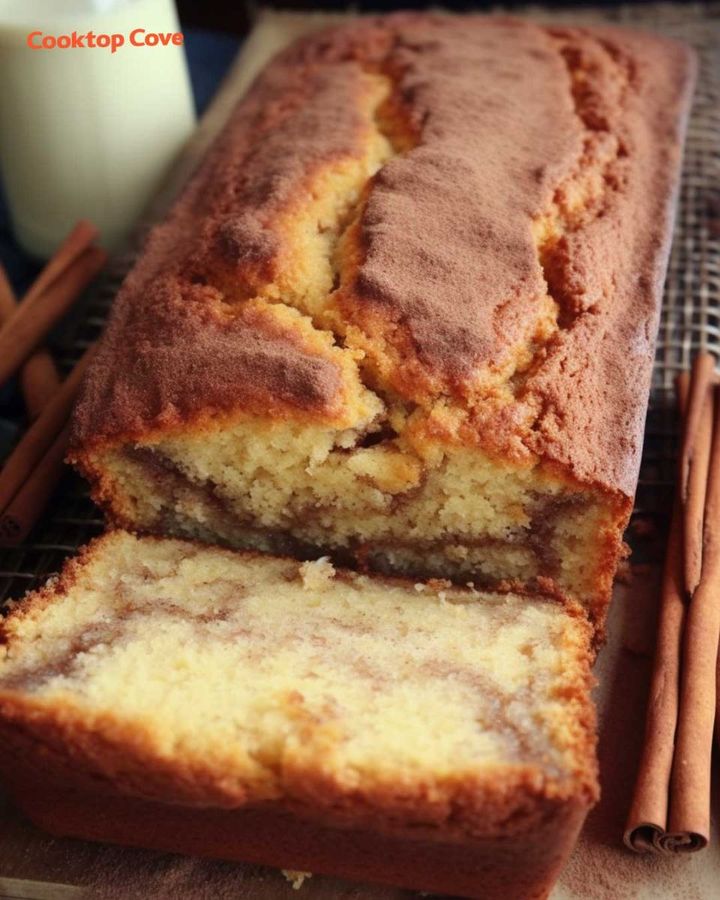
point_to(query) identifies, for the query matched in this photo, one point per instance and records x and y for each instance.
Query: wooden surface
(34, 866)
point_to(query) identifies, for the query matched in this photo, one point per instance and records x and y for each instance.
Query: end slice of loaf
(165, 694)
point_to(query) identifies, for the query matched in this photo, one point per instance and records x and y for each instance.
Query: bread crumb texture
(296, 879)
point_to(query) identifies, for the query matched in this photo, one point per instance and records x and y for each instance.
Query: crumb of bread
(317, 575)
(295, 877)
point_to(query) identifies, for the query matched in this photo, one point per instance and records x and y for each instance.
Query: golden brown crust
(490, 868)
(178, 349)
(62, 742)
(200, 364)
(443, 284)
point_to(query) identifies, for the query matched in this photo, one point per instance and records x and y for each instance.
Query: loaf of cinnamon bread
(405, 312)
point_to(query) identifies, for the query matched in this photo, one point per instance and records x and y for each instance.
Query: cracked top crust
(478, 209)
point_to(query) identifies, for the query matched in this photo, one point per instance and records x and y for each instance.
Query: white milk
(87, 133)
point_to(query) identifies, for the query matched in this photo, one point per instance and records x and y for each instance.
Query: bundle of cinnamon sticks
(670, 811)
(30, 473)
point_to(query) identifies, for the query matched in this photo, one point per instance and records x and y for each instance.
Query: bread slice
(165, 694)
(405, 313)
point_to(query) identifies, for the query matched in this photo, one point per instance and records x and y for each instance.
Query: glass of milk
(86, 132)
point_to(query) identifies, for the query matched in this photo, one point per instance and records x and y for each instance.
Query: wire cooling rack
(690, 317)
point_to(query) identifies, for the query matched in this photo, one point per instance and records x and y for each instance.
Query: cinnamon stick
(39, 378)
(27, 506)
(694, 462)
(689, 822)
(38, 438)
(648, 816)
(39, 311)
(75, 244)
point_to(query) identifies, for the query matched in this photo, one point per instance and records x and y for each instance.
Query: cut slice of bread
(162, 675)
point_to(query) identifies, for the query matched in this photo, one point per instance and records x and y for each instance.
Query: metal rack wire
(690, 317)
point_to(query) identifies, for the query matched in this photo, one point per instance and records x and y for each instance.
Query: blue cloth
(209, 55)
